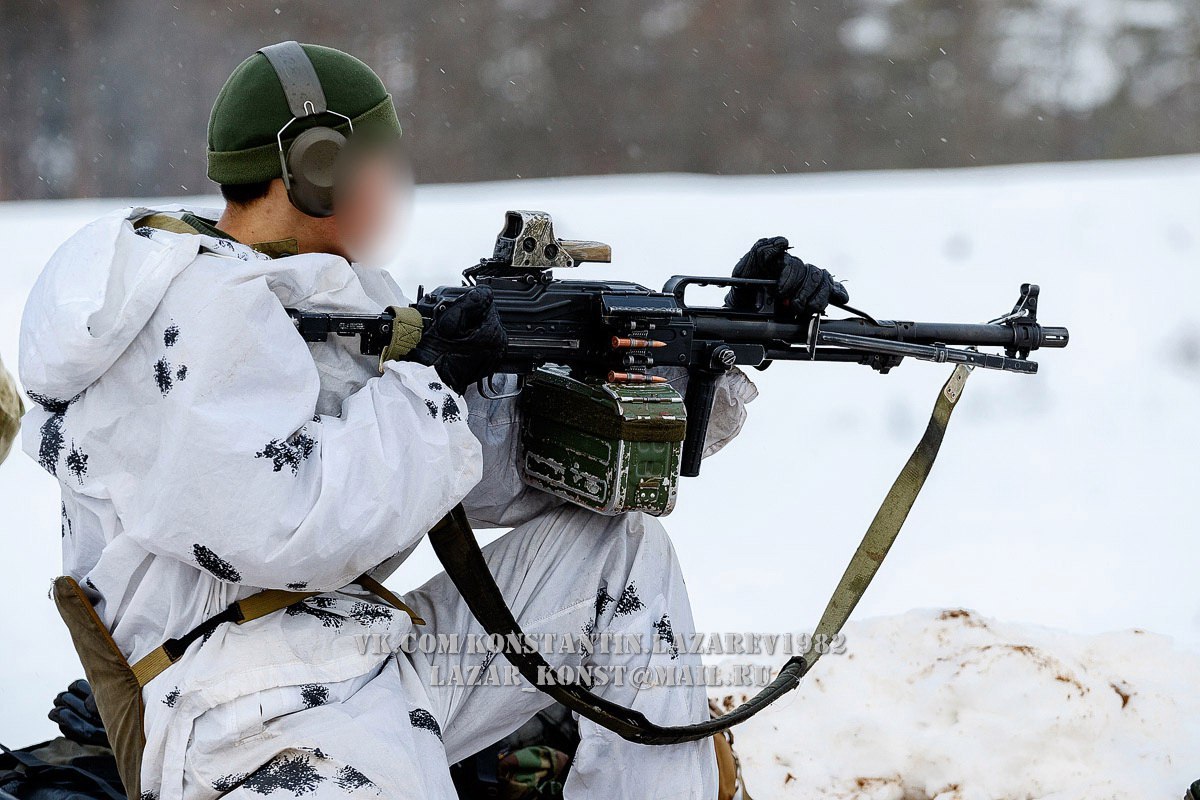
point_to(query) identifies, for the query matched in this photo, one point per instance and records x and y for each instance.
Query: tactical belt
(456, 547)
(260, 604)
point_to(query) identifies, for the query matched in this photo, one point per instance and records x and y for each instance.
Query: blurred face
(374, 190)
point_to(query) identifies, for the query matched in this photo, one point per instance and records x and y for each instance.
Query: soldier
(205, 452)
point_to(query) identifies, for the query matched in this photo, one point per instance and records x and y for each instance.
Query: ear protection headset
(308, 162)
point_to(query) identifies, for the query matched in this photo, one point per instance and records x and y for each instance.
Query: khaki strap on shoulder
(406, 333)
(256, 606)
(164, 222)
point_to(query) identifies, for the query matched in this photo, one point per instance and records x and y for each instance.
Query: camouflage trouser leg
(571, 573)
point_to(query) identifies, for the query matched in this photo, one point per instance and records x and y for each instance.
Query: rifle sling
(457, 549)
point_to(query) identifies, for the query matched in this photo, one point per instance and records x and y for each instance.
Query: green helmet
(251, 109)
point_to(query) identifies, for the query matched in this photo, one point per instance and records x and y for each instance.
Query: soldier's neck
(274, 218)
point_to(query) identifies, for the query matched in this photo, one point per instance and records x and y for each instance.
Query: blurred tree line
(111, 97)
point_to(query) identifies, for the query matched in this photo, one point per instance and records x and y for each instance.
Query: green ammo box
(610, 447)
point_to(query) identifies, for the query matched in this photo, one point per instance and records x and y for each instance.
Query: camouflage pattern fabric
(532, 772)
(11, 409)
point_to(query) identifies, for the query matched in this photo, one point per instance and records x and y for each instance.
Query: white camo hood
(90, 302)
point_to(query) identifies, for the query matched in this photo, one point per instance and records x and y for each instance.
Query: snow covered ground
(954, 706)
(1063, 500)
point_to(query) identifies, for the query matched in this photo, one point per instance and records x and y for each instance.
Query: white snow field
(1064, 500)
(950, 705)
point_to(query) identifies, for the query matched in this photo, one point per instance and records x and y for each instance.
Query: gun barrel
(749, 328)
(953, 333)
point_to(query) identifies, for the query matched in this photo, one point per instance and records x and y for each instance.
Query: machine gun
(604, 428)
(621, 333)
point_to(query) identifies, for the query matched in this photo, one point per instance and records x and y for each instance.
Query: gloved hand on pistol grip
(465, 340)
(802, 288)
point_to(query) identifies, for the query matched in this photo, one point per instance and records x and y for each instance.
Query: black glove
(802, 288)
(465, 340)
(75, 712)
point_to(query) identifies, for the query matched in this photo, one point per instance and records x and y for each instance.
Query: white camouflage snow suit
(205, 451)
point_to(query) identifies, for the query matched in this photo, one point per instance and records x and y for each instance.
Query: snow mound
(950, 705)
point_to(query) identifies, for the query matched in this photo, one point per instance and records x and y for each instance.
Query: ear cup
(311, 162)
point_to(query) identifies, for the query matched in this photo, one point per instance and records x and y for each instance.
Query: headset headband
(299, 79)
(306, 164)
(301, 86)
